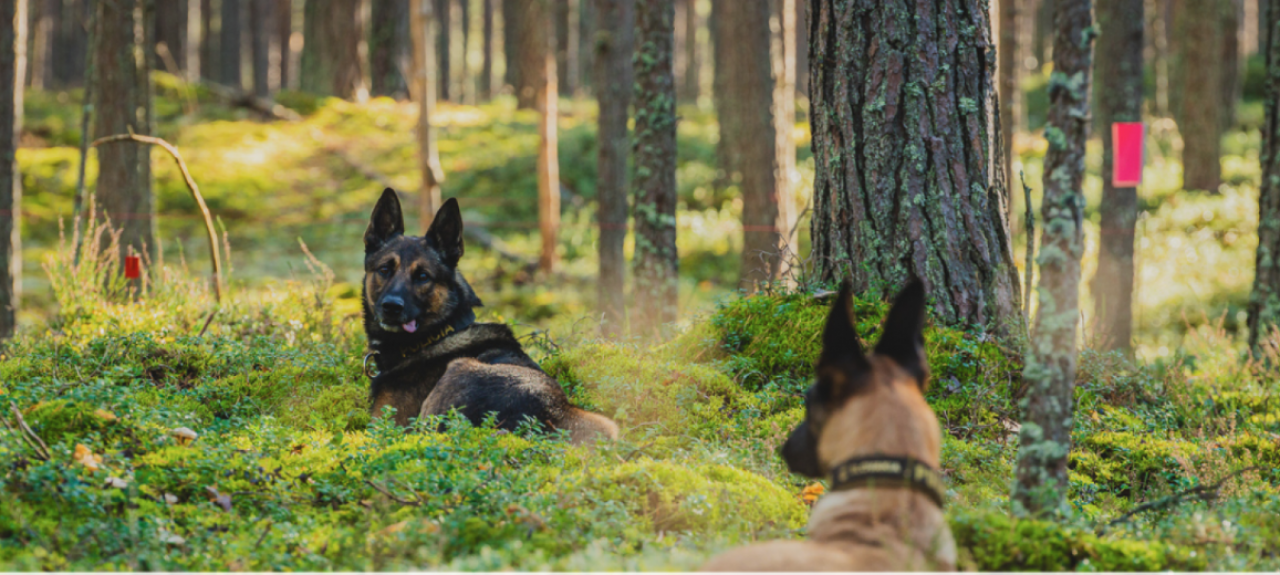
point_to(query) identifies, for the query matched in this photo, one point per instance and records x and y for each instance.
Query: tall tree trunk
(687, 50)
(1050, 373)
(1264, 303)
(260, 26)
(71, 43)
(750, 133)
(1199, 72)
(654, 181)
(539, 47)
(485, 84)
(330, 49)
(208, 44)
(13, 49)
(423, 58)
(229, 45)
(171, 30)
(613, 77)
(532, 41)
(511, 32)
(784, 115)
(284, 37)
(466, 75)
(1118, 91)
(388, 46)
(444, 36)
(907, 183)
(802, 48)
(38, 69)
(1232, 63)
(586, 43)
(1007, 68)
(720, 49)
(566, 55)
(122, 105)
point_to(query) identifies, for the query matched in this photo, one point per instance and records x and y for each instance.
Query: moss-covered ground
(287, 470)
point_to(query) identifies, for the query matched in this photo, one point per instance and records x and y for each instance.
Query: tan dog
(868, 428)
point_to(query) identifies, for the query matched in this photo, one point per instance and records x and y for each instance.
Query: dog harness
(885, 471)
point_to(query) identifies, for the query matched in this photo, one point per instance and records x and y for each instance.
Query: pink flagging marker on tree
(1127, 142)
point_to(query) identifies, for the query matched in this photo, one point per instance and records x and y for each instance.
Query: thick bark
(532, 42)
(122, 105)
(229, 45)
(749, 133)
(171, 30)
(907, 183)
(422, 34)
(1198, 93)
(484, 87)
(388, 47)
(614, 45)
(330, 49)
(1045, 438)
(1007, 68)
(1118, 70)
(655, 304)
(261, 15)
(444, 36)
(13, 47)
(1264, 303)
(539, 55)
(284, 35)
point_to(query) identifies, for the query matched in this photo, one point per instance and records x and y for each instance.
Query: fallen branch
(42, 450)
(383, 490)
(241, 99)
(1204, 492)
(195, 193)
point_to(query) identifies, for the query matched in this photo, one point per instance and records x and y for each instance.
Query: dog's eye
(421, 277)
(385, 270)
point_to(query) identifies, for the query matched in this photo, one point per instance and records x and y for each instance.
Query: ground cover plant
(163, 444)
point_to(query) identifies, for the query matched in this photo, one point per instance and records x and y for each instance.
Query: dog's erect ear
(842, 357)
(387, 221)
(446, 232)
(903, 338)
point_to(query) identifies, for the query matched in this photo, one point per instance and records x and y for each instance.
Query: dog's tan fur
(867, 529)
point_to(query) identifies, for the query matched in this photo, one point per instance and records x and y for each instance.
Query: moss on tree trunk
(1045, 439)
(907, 182)
(1264, 304)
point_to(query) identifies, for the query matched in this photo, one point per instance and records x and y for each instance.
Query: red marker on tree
(132, 267)
(1127, 142)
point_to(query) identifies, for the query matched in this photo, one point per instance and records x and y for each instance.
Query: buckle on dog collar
(367, 357)
(884, 471)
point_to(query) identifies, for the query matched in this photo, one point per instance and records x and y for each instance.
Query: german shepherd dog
(431, 354)
(867, 427)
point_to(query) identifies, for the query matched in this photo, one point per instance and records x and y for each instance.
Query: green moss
(67, 420)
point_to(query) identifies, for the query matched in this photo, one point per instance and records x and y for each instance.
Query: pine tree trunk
(1232, 64)
(539, 54)
(532, 41)
(1045, 438)
(229, 45)
(564, 29)
(171, 30)
(511, 32)
(485, 84)
(655, 304)
(907, 183)
(13, 47)
(586, 43)
(1118, 70)
(614, 45)
(422, 34)
(284, 34)
(784, 115)
(687, 50)
(466, 75)
(1199, 72)
(330, 49)
(388, 46)
(750, 133)
(261, 13)
(38, 71)
(802, 48)
(444, 15)
(725, 160)
(122, 104)
(208, 43)
(1007, 68)
(1264, 303)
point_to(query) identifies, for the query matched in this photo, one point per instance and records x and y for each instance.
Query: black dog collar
(458, 325)
(884, 471)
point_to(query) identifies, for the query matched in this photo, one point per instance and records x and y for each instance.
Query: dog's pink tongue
(411, 326)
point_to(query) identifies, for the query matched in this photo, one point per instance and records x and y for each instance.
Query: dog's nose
(392, 307)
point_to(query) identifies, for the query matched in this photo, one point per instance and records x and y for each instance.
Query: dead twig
(42, 450)
(195, 193)
(207, 322)
(1204, 492)
(1031, 253)
(417, 501)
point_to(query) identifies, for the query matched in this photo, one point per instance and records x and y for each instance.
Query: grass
(288, 471)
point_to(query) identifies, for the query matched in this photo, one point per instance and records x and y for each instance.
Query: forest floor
(286, 470)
